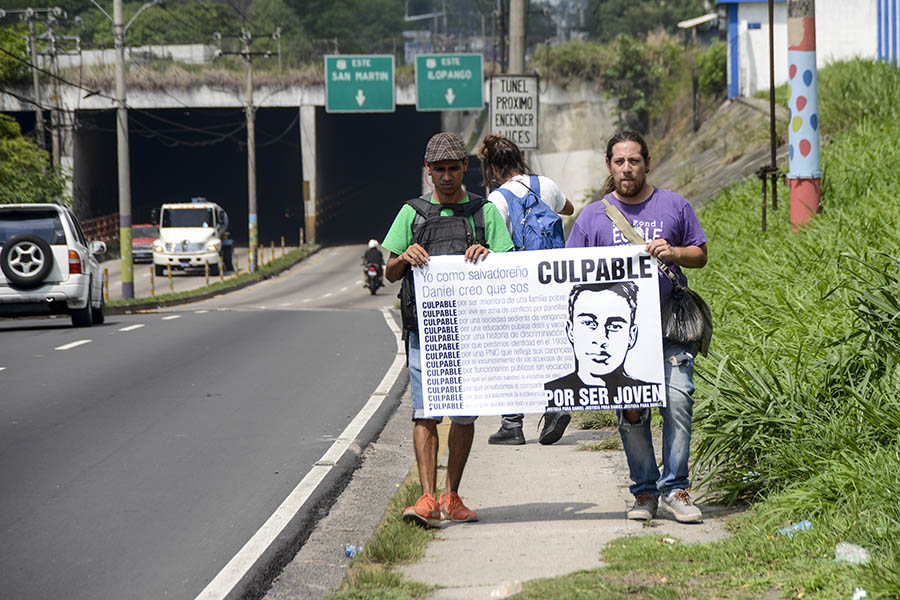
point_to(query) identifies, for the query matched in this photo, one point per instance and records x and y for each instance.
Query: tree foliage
(712, 65)
(608, 19)
(24, 172)
(12, 70)
(358, 25)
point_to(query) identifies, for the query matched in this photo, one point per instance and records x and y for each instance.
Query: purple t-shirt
(664, 214)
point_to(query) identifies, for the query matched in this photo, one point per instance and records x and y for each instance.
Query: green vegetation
(12, 70)
(270, 269)
(609, 19)
(25, 172)
(647, 76)
(798, 408)
(712, 67)
(394, 542)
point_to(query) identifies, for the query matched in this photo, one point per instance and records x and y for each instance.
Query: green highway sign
(449, 82)
(359, 83)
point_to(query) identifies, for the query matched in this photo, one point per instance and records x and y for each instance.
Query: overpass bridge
(346, 174)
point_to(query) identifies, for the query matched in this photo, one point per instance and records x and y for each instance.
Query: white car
(47, 266)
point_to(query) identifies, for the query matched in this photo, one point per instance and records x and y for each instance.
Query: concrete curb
(153, 304)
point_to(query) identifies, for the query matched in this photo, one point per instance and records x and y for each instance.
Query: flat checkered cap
(445, 146)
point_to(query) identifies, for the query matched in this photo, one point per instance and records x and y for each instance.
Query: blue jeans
(678, 362)
(414, 359)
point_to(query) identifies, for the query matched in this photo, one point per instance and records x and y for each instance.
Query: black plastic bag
(686, 318)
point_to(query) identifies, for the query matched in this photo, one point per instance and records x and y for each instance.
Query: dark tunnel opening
(178, 154)
(369, 164)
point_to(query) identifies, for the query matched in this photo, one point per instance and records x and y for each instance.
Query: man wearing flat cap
(452, 218)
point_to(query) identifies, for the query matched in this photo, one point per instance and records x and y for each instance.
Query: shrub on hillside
(712, 67)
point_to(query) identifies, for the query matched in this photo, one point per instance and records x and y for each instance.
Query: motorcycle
(373, 279)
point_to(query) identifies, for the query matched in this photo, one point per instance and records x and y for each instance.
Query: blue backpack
(534, 224)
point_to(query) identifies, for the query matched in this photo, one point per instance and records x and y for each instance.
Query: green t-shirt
(399, 236)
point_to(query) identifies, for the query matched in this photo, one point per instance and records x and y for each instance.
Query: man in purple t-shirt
(676, 238)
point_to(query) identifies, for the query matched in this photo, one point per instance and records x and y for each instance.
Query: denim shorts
(414, 357)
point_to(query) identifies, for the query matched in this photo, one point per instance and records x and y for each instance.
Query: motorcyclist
(372, 256)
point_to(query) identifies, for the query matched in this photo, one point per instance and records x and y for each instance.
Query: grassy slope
(798, 407)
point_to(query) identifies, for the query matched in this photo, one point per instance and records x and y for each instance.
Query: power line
(21, 98)
(282, 134)
(57, 77)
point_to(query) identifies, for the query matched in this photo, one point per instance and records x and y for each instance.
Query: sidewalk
(544, 511)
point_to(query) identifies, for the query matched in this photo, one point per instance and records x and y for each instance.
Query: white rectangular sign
(560, 330)
(514, 108)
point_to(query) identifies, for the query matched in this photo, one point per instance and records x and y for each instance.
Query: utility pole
(56, 113)
(251, 152)
(122, 150)
(124, 166)
(501, 28)
(805, 175)
(516, 37)
(36, 81)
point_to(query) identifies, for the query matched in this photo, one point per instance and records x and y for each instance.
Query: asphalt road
(139, 456)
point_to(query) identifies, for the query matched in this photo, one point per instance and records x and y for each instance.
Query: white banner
(570, 329)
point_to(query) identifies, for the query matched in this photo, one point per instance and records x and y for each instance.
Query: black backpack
(439, 236)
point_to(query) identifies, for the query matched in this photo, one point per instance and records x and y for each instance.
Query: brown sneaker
(424, 512)
(454, 509)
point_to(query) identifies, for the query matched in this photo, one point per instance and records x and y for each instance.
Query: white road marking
(200, 312)
(132, 327)
(344, 289)
(328, 294)
(307, 299)
(2, 368)
(223, 583)
(170, 317)
(71, 345)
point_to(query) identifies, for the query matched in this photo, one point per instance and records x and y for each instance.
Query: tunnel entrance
(180, 154)
(369, 165)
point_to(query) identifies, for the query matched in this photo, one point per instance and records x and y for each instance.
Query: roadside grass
(371, 575)
(265, 271)
(752, 564)
(610, 442)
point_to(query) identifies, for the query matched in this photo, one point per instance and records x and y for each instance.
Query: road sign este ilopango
(359, 83)
(449, 82)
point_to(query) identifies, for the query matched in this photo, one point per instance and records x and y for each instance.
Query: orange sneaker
(453, 508)
(424, 512)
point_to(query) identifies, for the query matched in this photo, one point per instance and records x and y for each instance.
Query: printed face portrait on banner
(601, 327)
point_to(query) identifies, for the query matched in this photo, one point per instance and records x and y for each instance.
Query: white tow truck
(191, 236)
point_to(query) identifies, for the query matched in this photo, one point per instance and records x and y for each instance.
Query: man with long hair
(676, 238)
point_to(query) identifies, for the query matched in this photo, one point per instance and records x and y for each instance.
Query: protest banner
(568, 329)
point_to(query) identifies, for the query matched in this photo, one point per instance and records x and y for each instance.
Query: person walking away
(677, 239)
(445, 163)
(504, 168)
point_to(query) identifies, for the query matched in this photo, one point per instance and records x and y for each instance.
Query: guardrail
(103, 228)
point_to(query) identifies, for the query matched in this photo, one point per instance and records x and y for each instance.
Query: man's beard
(633, 191)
